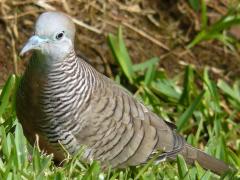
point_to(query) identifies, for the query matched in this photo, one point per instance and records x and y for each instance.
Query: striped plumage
(64, 100)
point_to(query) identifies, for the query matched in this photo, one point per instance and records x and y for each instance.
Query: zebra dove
(63, 99)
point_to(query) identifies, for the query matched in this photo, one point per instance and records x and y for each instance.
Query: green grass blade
(211, 94)
(6, 93)
(21, 148)
(146, 64)
(182, 168)
(204, 16)
(207, 175)
(228, 90)
(187, 85)
(200, 170)
(151, 71)
(164, 87)
(215, 30)
(188, 112)
(121, 55)
(194, 4)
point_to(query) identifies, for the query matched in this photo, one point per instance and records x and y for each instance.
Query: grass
(193, 101)
(205, 112)
(218, 30)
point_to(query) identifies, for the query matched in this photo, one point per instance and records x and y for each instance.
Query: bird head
(54, 35)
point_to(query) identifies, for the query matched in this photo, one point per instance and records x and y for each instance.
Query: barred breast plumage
(64, 100)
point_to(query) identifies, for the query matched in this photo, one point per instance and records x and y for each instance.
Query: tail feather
(192, 154)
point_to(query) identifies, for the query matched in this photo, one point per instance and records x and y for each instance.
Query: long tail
(192, 154)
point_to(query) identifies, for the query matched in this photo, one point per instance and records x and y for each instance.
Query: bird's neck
(71, 67)
(47, 61)
(44, 64)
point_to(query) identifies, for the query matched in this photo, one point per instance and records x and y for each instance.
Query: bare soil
(151, 29)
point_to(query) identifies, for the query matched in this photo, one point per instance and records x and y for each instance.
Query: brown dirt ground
(151, 28)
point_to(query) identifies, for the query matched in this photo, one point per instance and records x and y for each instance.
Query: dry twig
(140, 32)
(145, 35)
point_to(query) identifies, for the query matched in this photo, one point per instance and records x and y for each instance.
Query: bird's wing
(120, 131)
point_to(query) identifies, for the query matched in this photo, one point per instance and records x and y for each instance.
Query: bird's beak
(33, 43)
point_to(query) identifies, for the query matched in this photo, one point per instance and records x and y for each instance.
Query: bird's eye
(59, 35)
